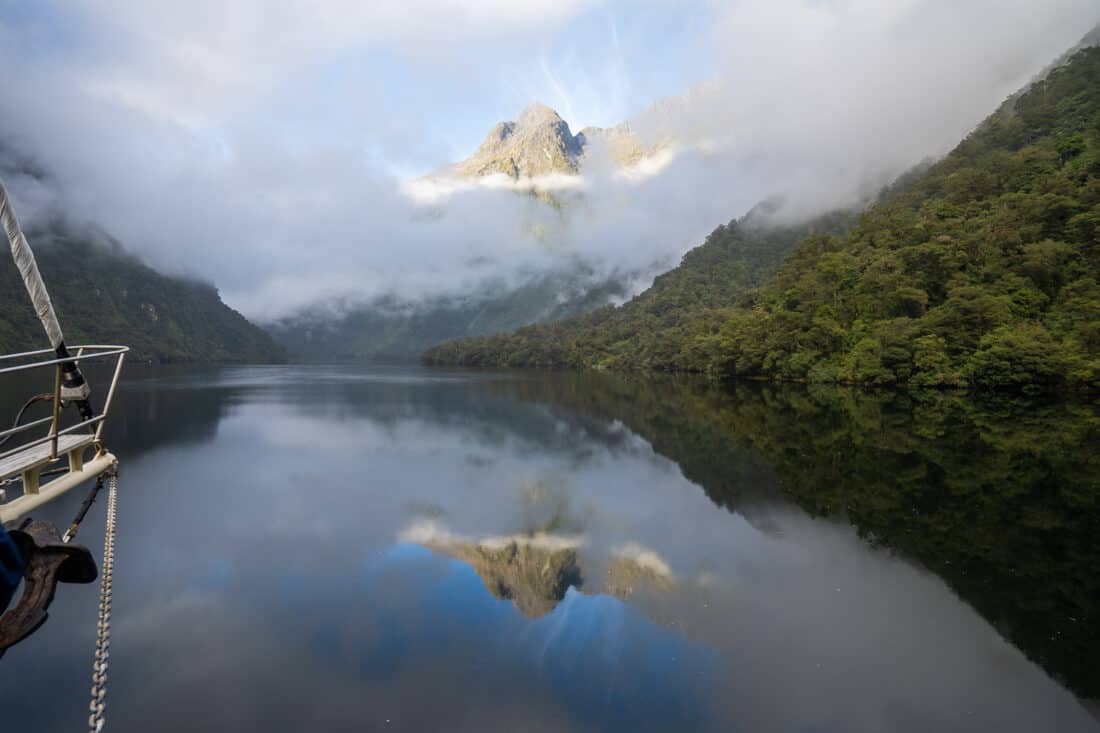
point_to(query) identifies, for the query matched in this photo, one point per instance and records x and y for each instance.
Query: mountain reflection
(535, 571)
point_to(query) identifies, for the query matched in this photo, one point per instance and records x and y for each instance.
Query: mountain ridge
(539, 143)
(104, 294)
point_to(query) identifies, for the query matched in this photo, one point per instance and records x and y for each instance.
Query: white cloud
(645, 558)
(838, 97)
(164, 124)
(202, 62)
(433, 534)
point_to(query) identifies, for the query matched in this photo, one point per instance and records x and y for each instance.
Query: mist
(186, 140)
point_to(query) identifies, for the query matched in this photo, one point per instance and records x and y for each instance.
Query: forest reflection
(997, 494)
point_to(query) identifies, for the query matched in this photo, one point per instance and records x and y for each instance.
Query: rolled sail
(28, 268)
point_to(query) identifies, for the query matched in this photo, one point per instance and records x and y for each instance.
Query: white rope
(98, 705)
(28, 268)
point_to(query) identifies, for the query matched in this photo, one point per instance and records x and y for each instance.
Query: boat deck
(37, 456)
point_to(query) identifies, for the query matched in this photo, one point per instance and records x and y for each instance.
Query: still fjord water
(348, 548)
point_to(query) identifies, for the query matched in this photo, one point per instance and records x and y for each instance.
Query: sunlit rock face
(540, 143)
(535, 578)
(534, 571)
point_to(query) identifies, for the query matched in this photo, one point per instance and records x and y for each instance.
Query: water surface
(349, 548)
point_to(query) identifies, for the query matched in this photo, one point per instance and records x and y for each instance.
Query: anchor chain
(98, 705)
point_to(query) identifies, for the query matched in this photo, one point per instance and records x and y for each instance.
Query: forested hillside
(103, 295)
(983, 270)
(660, 327)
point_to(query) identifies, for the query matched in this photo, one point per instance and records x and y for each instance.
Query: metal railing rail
(101, 350)
(83, 353)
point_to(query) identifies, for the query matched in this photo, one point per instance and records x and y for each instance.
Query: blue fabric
(11, 568)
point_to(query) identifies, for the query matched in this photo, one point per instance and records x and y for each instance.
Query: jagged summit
(539, 142)
(538, 113)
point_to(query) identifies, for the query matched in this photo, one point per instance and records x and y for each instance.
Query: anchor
(47, 561)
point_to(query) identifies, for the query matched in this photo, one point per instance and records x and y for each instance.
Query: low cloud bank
(822, 102)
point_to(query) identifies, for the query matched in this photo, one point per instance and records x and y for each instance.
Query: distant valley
(528, 152)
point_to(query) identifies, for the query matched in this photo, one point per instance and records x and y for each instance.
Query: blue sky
(605, 66)
(409, 105)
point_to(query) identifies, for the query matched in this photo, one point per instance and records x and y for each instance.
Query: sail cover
(28, 268)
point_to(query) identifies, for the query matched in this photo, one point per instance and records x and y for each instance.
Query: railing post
(76, 460)
(30, 480)
(110, 396)
(56, 412)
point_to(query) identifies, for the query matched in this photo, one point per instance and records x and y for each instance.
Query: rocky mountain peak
(538, 113)
(539, 142)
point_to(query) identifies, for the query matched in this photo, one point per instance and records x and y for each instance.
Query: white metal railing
(82, 354)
